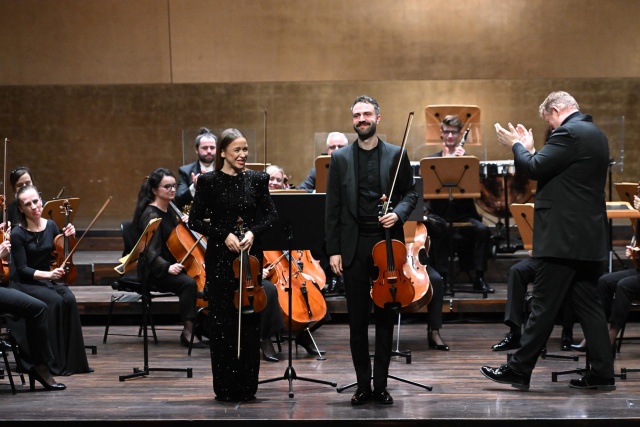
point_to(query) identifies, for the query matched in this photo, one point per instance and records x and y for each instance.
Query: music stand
(128, 262)
(297, 212)
(53, 210)
(455, 177)
(322, 171)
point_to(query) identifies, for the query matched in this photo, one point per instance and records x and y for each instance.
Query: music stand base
(290, 375)
(137, 372)
(406, 354)
(417, 384)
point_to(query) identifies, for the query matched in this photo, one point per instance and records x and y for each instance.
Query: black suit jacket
(183, 195)
(341, 225)
(570, 208)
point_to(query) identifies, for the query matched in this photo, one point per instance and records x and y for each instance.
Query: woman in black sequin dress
(222, 196)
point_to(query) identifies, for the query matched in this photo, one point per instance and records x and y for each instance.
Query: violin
(250, 296)
(189, 248)
(62, 244)
(65, 246)
(417, 271)
(308, 305)
(393, 288)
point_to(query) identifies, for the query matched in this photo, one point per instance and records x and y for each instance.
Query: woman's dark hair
(226, 137)
(16, 174)
(146, 196)
(21, 216)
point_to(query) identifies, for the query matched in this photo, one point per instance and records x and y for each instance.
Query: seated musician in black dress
(158, 266)
(477, 237)
(34, 314)
(32, 245)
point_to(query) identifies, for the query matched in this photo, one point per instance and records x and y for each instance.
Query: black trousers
(557, 278)
(617, 291)
(358, 282)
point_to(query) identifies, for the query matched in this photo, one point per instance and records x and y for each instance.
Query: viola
(392, 289)
(189, 248)
(308, 305)
(62, 245)
(417, 271)
(250, 296)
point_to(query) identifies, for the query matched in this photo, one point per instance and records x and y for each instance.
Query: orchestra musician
(19, 177)
(158, 266)
(205, 148)
(335, 140)
(278, 181)
(358, 177)
(34, 314)
(230, 193)
(32, 245)
(618, 290)
(520, 275)
(443, 211)
(569, 238)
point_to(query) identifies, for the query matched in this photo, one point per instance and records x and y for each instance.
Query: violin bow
(4, 190)
(402, 150)
(104, 206)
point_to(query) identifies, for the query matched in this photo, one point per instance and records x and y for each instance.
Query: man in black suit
(205, 148)
(359, 175)
(477, 237)
(569, 238)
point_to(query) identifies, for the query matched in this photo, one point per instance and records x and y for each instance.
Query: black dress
(32, 251)
(222, 198)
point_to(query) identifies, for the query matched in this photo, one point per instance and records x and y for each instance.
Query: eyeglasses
(452, 132)
(335, 147)
(170, 187)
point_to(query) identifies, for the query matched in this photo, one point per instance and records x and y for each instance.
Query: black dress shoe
(268, 352)
(361, 396)
(505, 375)
(593, 382)
(566, 342)
(579, 347)
(509, 342)
(481, 285)
(383, 397)
(303, 339)
(434, 345)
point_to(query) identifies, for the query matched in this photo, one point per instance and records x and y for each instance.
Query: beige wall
(95, 94)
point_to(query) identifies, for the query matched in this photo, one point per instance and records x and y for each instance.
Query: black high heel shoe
(35, 376)
(304, 340)
(433, 345)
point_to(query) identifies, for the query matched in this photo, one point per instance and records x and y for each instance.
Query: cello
(189, 248)
(308, 305)
(392, 289)
(417, 271)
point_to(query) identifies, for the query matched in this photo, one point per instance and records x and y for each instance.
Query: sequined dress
(222, 198)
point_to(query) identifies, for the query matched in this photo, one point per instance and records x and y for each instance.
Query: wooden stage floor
(461, 396)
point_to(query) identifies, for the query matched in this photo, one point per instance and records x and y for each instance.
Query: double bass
(392, 289)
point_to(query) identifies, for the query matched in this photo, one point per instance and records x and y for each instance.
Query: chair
(130, 284)
(8, 345)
